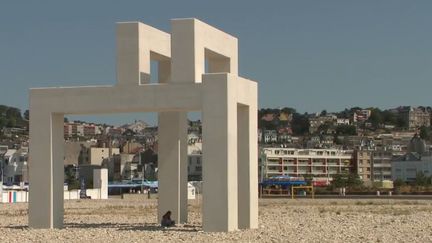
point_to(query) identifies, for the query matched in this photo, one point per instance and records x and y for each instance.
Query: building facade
(321, 164)
(381, 165)
(408, 166)
(95, 156)
(416, 117)
(363, 164)
(317, 121)
(270, 136)
(15, 166)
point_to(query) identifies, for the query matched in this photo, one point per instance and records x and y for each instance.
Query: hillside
(11, 117)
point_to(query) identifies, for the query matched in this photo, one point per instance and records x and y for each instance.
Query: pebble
(281, 220)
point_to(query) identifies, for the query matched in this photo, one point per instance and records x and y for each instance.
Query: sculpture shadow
(18, 227)
(135, 227)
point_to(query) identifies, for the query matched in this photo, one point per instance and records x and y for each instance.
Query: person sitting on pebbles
(166, 220)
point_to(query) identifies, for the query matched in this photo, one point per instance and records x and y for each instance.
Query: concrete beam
(112, 99)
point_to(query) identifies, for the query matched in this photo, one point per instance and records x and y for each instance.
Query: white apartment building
(270, 136)
(321, 164)
(382, 165)
(15, 165)
(342, 121)
(78, 129)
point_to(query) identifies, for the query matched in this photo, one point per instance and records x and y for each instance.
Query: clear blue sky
(309, 55)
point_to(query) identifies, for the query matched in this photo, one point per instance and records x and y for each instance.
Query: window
(272, 168)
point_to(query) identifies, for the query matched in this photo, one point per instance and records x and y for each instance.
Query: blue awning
(151, 184)
(282, 183)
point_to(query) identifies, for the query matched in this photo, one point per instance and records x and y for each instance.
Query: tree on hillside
(376, 117)
(424, 133)
(11, 117)
(323, 113)
(300, 124)
(13, 112)
(389, 118)
(401, 122)
(348, 113)
(27, 115)
(11, 122)
(346, 130)
(288, 110)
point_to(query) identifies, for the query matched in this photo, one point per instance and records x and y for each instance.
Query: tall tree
(424, 133)
(300, 124)
(27, 115)
(375, 117)
(323, 113)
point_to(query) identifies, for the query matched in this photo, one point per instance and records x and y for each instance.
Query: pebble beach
(280, 220)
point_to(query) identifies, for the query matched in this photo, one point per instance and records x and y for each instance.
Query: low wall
(23, 196)
(138, 196)
(92, 193)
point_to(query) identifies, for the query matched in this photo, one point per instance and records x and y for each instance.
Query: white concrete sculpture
(229, 113)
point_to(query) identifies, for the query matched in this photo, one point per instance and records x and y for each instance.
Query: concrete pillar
(219, 153)
(46, 170)
(129, 63)
(100, 180)
(172, 165)
(248, 166)
(185, 66)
